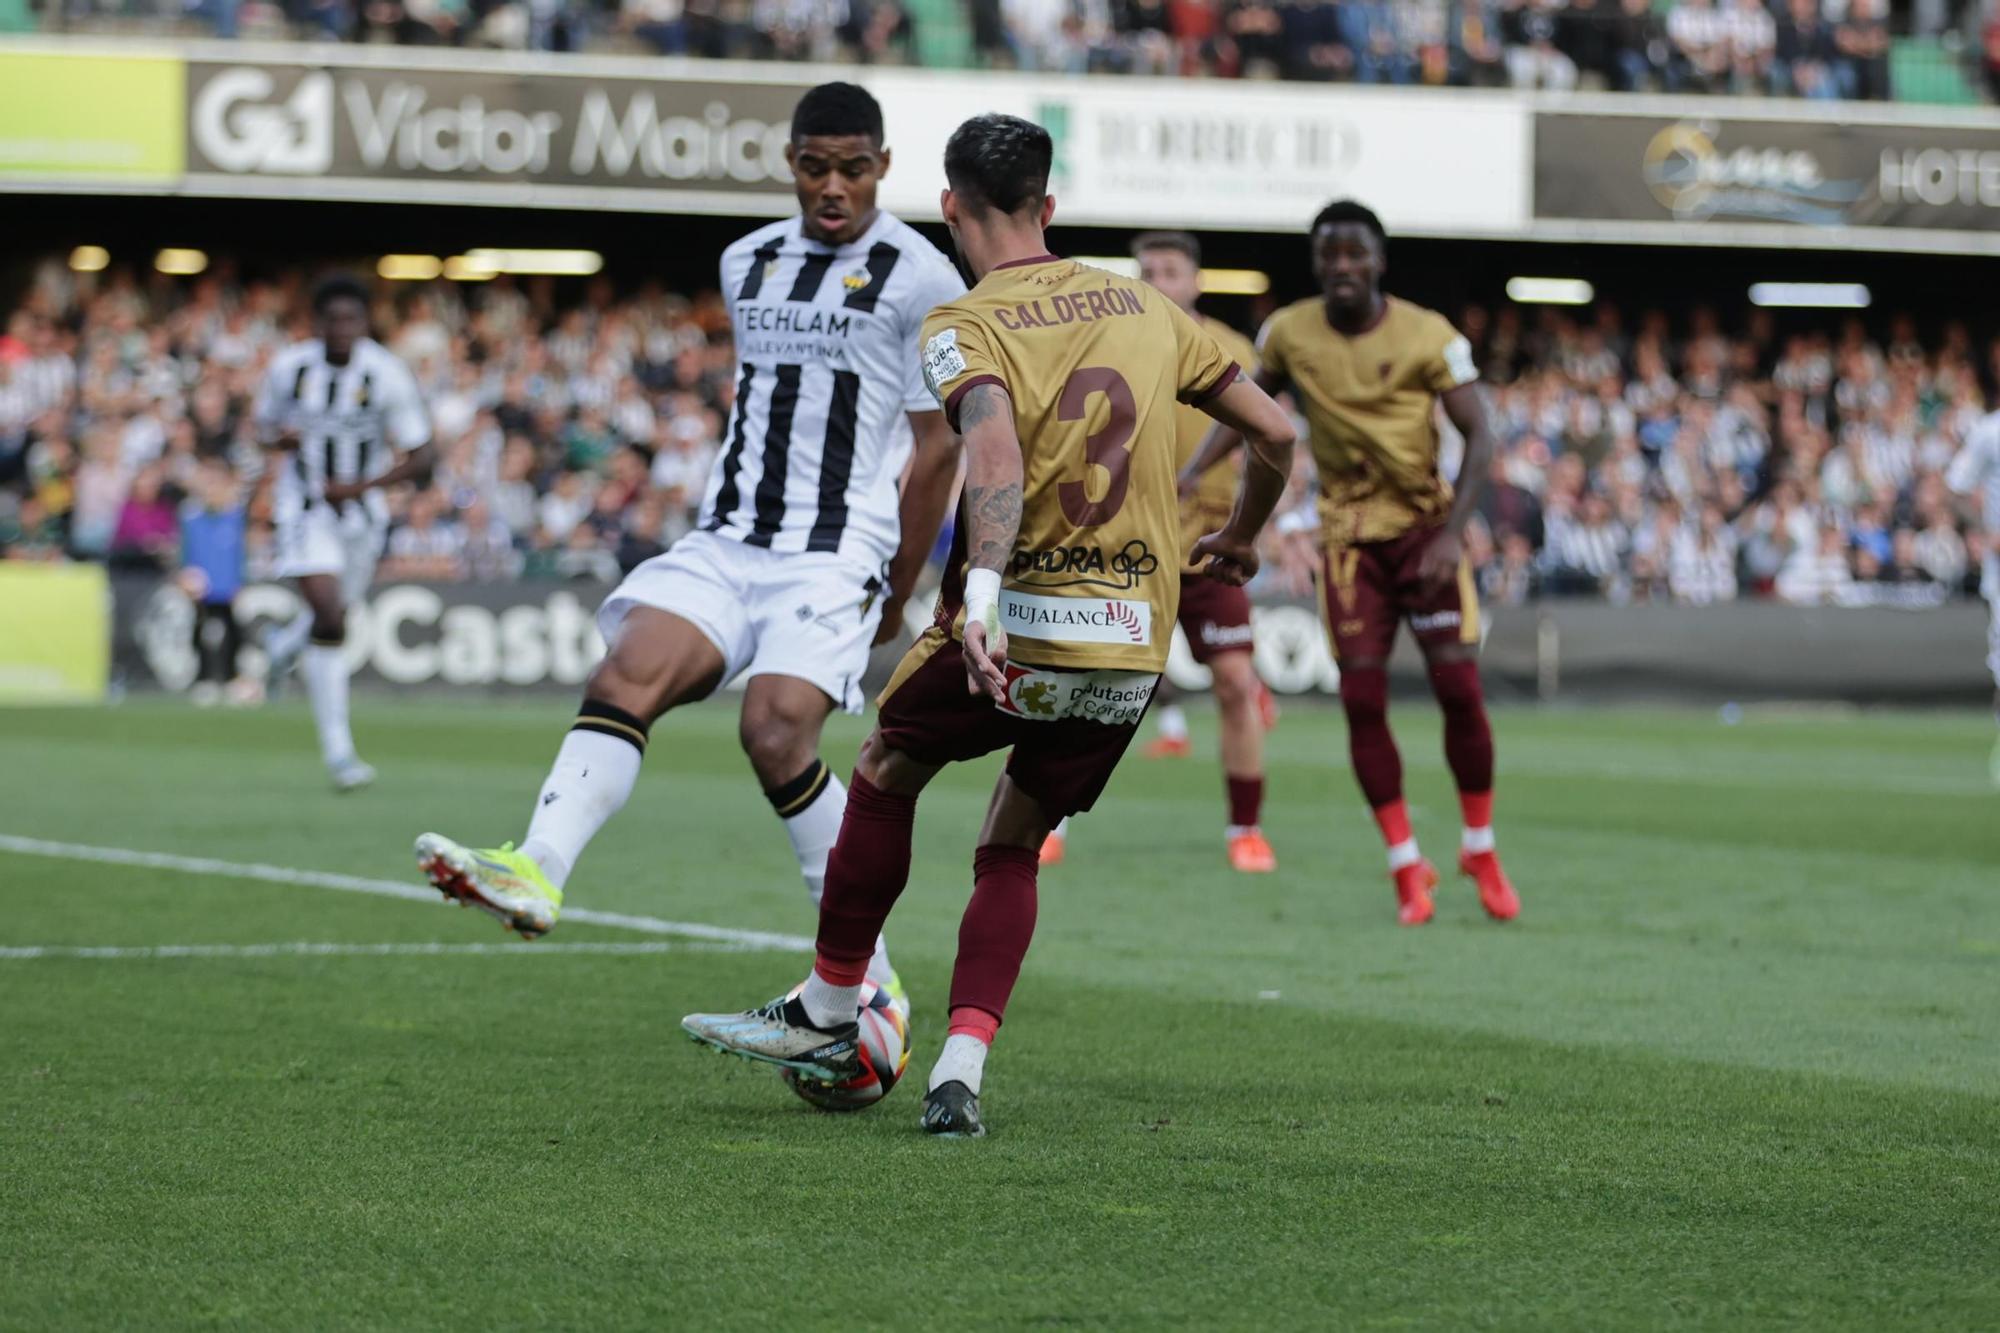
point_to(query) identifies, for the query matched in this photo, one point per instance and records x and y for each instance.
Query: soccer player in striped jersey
(805, 550)
(1975, 470)
(344, 419)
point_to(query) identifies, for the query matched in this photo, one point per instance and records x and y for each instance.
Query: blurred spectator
(1862, 38)
(1804, 58)
(1700, 35)
(1817, 574)
(213, 526)
(1533, 58)
(1753, 41)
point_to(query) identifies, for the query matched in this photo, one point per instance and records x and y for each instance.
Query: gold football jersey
(1096, 366)
(1208, 508)
(1370, 402)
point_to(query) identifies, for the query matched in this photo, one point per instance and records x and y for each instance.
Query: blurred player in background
(345, 420)
(1214, 615)
(1975, 470)
(1369, 372)
(1063, 380)
(804, 546)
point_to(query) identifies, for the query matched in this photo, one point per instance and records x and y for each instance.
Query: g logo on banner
(237, 128)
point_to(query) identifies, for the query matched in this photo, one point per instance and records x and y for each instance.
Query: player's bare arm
(927, 488)
(1472, 412)
(408, 467)
(993, 477)
(1249, 412)
(1223, 441)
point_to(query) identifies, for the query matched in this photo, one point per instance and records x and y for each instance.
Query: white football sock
(1477, 839)
(813, 832)
(963, 1060)
(326, 686)
(827, 1005)
(589, 782)
(1404, 853)
(1173, 722)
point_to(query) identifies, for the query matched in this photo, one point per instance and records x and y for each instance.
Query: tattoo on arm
(992, 494)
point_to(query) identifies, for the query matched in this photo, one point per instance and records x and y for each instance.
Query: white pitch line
(386, 888)
(309, 949)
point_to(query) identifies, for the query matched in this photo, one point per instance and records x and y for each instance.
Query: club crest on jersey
(855, 280)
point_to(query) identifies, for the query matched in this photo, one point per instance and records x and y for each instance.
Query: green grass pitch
(1738, 1064)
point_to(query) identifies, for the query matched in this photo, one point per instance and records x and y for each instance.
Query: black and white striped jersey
(350, 420)
(828, 365)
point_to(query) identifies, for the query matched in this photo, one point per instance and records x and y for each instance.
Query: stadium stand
(1641, 460)
(1941, 51)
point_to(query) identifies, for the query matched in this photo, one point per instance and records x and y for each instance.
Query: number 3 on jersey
(1108, 448)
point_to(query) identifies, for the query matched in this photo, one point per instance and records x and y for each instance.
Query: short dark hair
(336, 286)
(1000, 161)
(1180, 242)
(1347, 210)
(838, 109)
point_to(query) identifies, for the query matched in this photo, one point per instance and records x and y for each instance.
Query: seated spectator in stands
(660, 24)
(489, 548)
(1818, 574)
(1862, 38)
(643, 534)
(1198, 40)
(1368, 30)
(1042, 35)
(1145, 37)
(1940, 552)
(1990, 46)
(1512, 582)
(1533, 59)
(1587, 546)
(1584, 32)
(1477, 58)
(1257, 30)
(147, 535)
(566, 505)
(1313, 49)
(1701, 564)
(427, 545)
(1753, 39)
(1804, 59)
(1700, 36)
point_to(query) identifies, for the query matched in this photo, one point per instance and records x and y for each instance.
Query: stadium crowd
(1640, 460)
(1805, 48)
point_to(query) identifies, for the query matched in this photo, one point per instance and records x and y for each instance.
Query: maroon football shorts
(926, 713)
(1215, 616)
(1370, 588)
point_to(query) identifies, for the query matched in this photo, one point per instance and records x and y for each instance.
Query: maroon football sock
(865, 874)
(993, 935)
(1246, 800)
(1468, 738)
(1364, 696)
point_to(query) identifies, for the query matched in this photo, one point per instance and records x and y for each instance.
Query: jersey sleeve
(1205, 369)
(1451, 364)
(403, 412)
(941, 285)
(958, 356)
(1271, 348)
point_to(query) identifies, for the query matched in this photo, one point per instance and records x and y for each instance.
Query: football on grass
(885, 1052)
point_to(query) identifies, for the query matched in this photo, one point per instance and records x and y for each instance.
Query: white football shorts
(318, 541)
(811, 615)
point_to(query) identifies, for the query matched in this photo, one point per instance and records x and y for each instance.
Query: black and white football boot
(951, 1111)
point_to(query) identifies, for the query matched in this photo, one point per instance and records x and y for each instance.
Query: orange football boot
(1414, 885)
(1496, 893)
(1250, 852)
(1052, 850)
(1168, 747)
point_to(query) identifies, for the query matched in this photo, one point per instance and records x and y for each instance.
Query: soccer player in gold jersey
(1215, 616)
(1369, 372)
(1058, 602)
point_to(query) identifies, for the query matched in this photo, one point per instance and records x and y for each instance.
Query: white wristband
(982, 597)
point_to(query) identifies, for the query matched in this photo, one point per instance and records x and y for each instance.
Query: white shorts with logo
(316, 540)
(812, 615)
(1989, 587)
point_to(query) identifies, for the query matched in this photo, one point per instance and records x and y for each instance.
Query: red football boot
(1168, 747)
(1496, 894)
(1414, 885)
